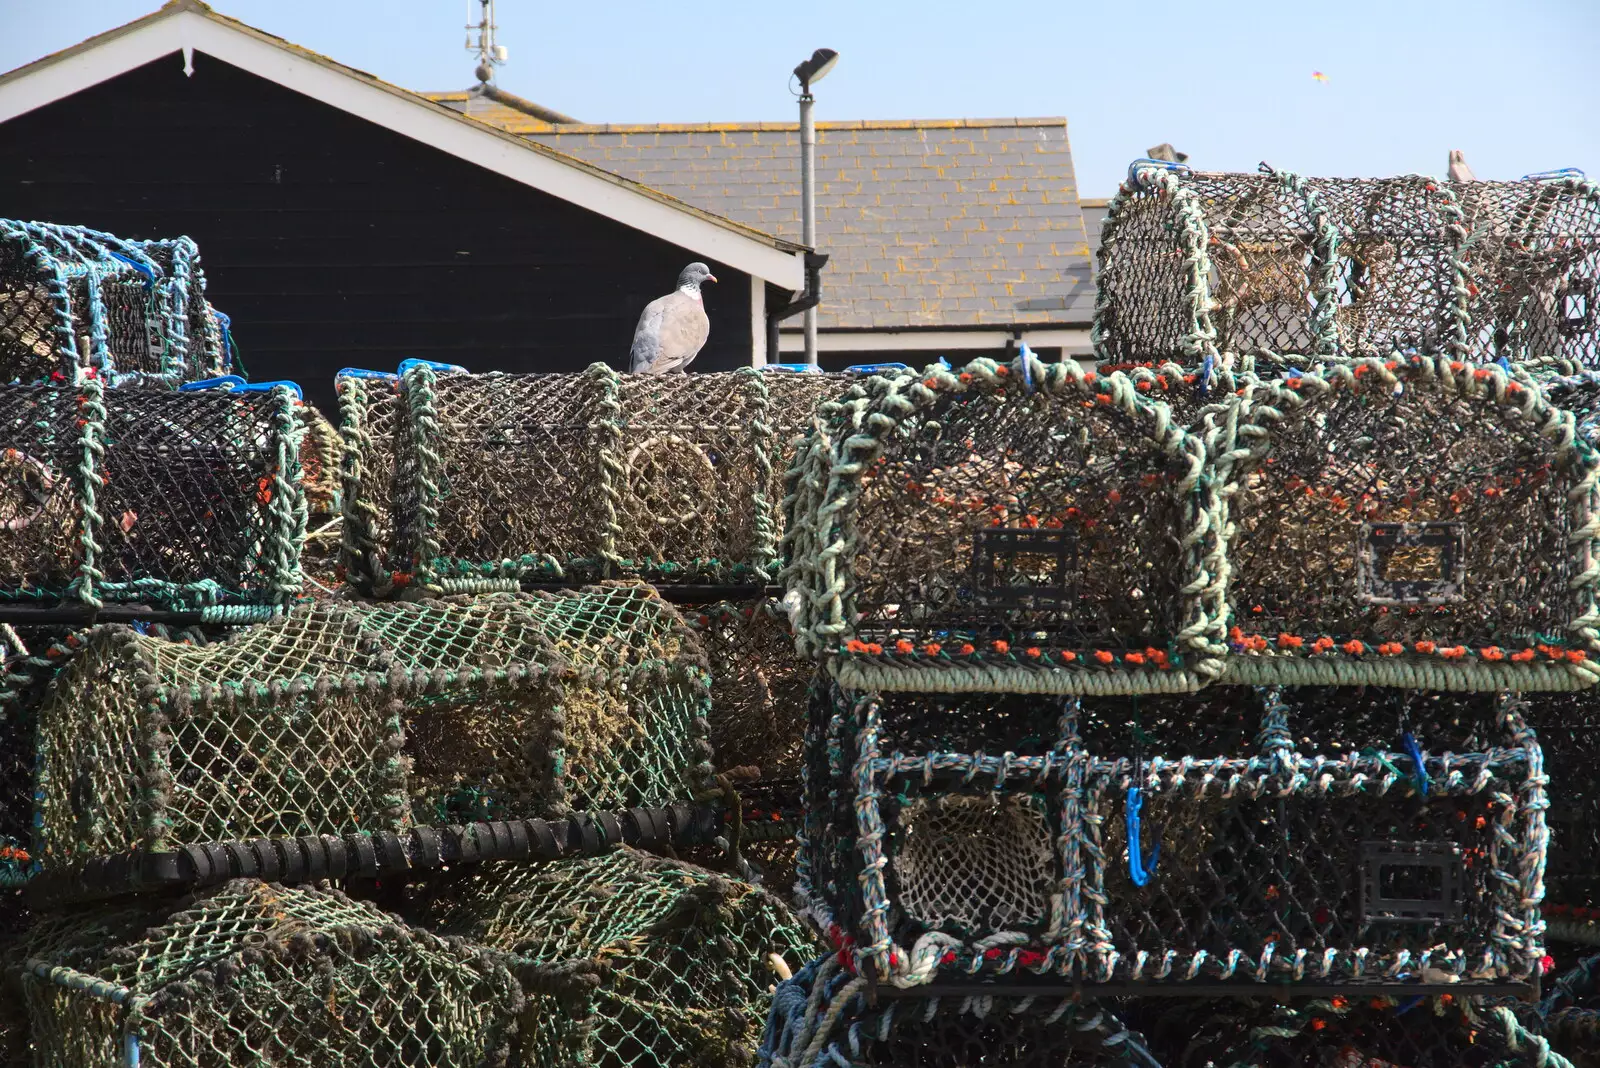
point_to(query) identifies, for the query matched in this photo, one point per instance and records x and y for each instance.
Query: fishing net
(1424, 524)
(139, 307)
(175, 499)
(1197, 266)
(1008, 527)
(1531, 261)
(1355, 1031)
(823, 1018)
(758, 685)
(479, 480)
(252, 973)
(1569, 1013)
(690, 958)
(341, 717)
(1227, 834)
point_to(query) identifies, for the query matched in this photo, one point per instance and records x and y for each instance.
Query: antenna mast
(490, 54)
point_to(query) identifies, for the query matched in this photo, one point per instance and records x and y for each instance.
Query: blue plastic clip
(1027, 371)
(362, 372)
(445, 368)
(1552, 176)
(1145, 162)
(1415, 752)
(792, 368)
(220, 382)
(876, 368)
(1207, 365)
(1138, 870)
(1505, 364)
(267, 387)
(142, 268)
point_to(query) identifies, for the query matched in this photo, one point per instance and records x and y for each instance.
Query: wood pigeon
(673, 328)
(1459, 171)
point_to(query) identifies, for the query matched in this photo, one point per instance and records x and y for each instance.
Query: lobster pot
(340, 717)
(1422, 524)
(1234, 266)
(1568, 725)
(181, 500)
(673, 478)
(1530, 271)
(948, 836)
(1023, 527)
(839, 1025)
(1366, 836)
(140, 304)
(1346, 1032)
(253, 973)
(1578, 393)
(692, 957)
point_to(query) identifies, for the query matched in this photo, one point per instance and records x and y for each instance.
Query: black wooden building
(345, 222)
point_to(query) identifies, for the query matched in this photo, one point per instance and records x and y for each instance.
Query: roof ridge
(759, 126)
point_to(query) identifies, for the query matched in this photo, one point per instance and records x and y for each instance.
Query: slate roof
(930, 223)
(1094, 220)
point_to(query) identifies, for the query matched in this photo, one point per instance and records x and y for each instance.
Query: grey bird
(1459, 171)
(673, 328)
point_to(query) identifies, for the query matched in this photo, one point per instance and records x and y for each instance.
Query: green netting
(691, 957)
(758, 686)
(252, 973)
(342, 717)
(460, 482)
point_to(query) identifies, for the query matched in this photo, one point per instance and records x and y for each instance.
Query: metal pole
(808, 205)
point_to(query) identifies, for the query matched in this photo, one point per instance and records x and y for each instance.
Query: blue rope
(1138, 871)
(1415, 752)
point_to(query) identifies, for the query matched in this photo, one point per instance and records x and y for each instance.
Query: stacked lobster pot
(460, 483)
(134, 312)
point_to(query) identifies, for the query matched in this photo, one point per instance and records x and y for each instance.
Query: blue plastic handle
(362, 372)
(267, 387)
(1415, 752)
(220, 382)
(876, 368)
(1166, 165)
(1027, 372)
(447, 368)
(792, 368)
(142, 268)
(1551, 176)
(1138, 870)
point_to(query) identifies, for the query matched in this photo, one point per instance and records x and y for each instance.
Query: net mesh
(341, 717)
(1531, 263)
(691, 957)
(1387, 520)
(175, 499)
(758, 686)
(1007, 521)
(1303, 835)
(1568, 726)
(255, 973)
(139, 305)
(462, 480)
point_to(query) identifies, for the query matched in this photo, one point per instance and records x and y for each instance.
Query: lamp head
(815, 68)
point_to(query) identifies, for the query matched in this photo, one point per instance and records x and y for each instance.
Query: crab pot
(342, 717)
(672, 478)
(372, 431)
(177, 500)
(1423, 524)
(1531, 271)
(1343, 1031)
(840, 1024)
(1230, 266)
(140, 304)
(1568, 725)
(691, 957)
(253, 973)
(1023, 527)
(1213, 836)
(1578, 393)
(1317, 853)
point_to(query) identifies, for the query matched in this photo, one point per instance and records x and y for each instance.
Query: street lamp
(812, 70)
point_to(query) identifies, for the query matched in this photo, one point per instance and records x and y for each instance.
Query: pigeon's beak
(711, 278)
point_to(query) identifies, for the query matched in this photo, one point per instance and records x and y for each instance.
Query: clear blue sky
(1511, 82)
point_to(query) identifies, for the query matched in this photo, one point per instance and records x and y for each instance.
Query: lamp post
(812, 70)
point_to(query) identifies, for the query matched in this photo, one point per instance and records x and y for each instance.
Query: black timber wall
(333, 242)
